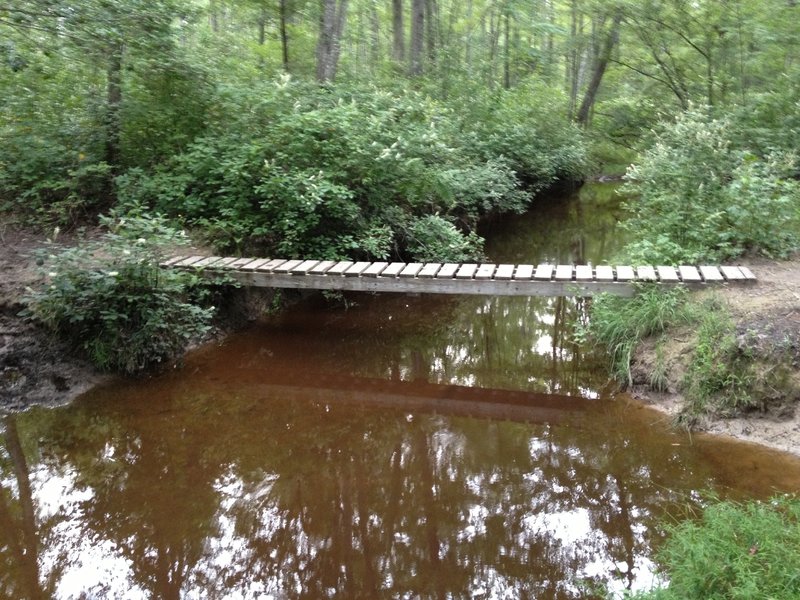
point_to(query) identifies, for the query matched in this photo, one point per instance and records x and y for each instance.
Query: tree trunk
(113, 105)
(507, 52)
(283, 10)
(417, 36)
(213, 19)
(430, 29)
(398, 32)
(332, 20)
(599, 70)
(375, 34)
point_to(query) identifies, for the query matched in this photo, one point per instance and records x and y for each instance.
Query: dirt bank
(37, 369)
(34, 368)
(767, 318)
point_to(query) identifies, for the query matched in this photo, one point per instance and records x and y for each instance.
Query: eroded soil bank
(767, 320)
(35, 369)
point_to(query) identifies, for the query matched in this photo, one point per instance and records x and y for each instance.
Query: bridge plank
(393, 269)
(448, 271)
(604, 273)
(710, 273)
(583, 273)
(624, 273)
(564, 273)
(689, 274)
(189, 261)
(207, 262)
(544, 272)
(340, 267)
(504, 272)
(172, 261)
(411, 270)
(375, 269)
(485, 271)
(748, 274)
(356, 269)
(466, 271)
(251, 266)
(429, 270)
(241, 262)
(224, 263)
(270, 265)
(523, 273)
(321, 267)
(304, 267)
(646, 273)
(668, 274)
(732, 273)
(287, 266)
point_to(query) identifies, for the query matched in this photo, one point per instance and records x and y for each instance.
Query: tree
(331, 27)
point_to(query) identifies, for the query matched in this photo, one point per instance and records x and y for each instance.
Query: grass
(735, 551)
(721, 376)
(620, 324)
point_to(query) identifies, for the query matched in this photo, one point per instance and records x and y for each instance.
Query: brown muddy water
(401, 447)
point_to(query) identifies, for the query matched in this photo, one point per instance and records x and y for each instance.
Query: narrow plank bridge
(451, 278)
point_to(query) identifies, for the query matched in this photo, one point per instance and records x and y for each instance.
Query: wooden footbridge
(452, 278)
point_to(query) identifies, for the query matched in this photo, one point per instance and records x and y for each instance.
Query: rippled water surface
(402, 447)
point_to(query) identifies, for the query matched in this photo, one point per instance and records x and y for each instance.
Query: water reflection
(408, 447)
(213, 487)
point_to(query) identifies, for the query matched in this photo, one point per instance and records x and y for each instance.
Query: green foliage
(720, 375)
(698, 198)
(528, 127)
(109, 298)
(620, 324)
(734, 552)
(293, 169)
(433, 239)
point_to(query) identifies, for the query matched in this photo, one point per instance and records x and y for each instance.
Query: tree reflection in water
(340, 454)
(205, 489)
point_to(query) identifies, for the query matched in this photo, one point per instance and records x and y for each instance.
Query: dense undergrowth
(112, 302)
(699, 195)
(292, 168)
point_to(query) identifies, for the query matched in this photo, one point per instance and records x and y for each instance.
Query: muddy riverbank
(767, 322)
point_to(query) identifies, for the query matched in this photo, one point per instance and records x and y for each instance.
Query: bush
(735, 551)
(432, 239)
(699, 198)
(293, 169)
(110, 300)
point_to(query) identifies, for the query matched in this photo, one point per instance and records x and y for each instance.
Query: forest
(362, 128)
(393, 129)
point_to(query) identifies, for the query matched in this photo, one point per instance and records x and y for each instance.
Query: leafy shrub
(699, 198)
(433, 239)
(735, 551)
(110, 300)
(293, 169)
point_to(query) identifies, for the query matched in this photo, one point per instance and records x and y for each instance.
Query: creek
(397, 447)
